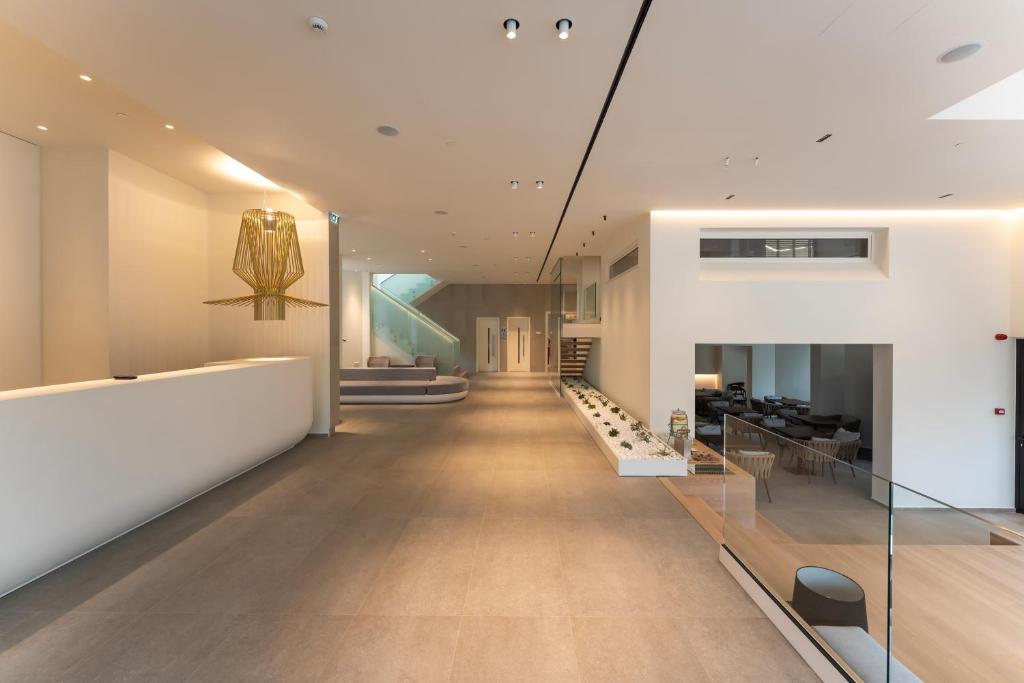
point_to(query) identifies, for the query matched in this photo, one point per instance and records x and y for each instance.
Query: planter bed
(612, 428)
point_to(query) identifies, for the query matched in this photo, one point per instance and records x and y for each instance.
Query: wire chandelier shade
(268, 259)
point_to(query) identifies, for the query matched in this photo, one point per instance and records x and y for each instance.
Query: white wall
(158, 276)
(735, 364)
(793, 370)
(20, 276)
(946, 291)
(75, 312)
(841, 383)
(762, 380)
(625, 356)
(353, 318)
(305, 332)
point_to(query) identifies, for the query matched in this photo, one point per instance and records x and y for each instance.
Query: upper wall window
(626, 262)
(791, 247)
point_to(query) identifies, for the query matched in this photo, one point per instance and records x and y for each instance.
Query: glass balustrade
(398, 323)
(406, 287)
(904, 588)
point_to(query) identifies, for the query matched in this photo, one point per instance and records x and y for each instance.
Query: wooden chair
(848, 451)
(818, 453)
(757, 463)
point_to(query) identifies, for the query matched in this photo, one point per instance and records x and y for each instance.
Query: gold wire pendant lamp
(268, 259)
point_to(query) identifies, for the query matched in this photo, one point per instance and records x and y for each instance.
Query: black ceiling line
(641, 16)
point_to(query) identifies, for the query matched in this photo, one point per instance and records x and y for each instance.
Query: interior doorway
(487, 358)
(518, 346)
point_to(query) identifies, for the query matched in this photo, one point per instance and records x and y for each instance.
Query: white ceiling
(708, 79)
(39, 87)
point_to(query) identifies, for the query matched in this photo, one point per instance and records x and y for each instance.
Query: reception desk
(83, 463)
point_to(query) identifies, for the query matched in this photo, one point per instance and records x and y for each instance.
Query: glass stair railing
(405, 287)
(411, 331)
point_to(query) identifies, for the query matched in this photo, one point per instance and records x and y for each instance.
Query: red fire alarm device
(1000, 411)
(1001, 337)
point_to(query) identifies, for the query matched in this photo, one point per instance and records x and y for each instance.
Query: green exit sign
(334, 217)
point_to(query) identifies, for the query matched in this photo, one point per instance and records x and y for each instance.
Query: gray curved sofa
(400, 385)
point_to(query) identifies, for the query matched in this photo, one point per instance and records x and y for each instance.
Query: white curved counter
(84, 463)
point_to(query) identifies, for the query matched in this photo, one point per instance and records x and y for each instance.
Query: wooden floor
(484, 540)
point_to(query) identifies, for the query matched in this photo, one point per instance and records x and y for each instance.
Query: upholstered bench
(399, 385)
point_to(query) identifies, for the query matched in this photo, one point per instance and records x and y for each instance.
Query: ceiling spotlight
(515, 233)
(42, 127)
(369, 258)
(539, 184)
(430, 259)
(563, 26)
(353, 251)
(86, 77)
(726, 162)
(824, 137)
(533, 234)
(423, 251)
(511, 28)
(169, 126)
(960, 53)
(387, 131)
(515, 184)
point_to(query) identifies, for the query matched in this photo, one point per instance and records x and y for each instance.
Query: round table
(824, 597)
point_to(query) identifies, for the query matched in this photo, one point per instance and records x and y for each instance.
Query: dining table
(825, 422)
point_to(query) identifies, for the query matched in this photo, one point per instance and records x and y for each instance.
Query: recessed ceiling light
(353, 251)
(42, 127)
(430, 259)
(563, 26)
(423, 251)
(533, 234)
(960, 52)
(511, 27)
(452, 233)
(539, 184)
(169, 126)
(944, 196)
(86, 77)
(441, 212)
(515, 233)
(369, 258)
(514, 184)
(387, 131)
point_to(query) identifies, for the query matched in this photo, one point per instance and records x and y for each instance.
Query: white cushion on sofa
(843, 436)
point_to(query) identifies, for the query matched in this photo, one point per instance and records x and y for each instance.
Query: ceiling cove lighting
(511, 27)
(268, 259)
(960, 52)
(564, 26)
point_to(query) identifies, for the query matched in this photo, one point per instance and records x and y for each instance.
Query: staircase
(574, 354)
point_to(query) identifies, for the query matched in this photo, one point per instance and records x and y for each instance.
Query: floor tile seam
(380, 570)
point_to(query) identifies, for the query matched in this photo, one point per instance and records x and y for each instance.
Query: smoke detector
(318, 24)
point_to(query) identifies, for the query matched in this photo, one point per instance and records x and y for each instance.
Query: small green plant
(590, 406)
(644, 436)
(615, 409)
(597, 414)
(607, 423)
(626, 444)
(613, 432)
(622, 416)
(636, 426)
(663, 452)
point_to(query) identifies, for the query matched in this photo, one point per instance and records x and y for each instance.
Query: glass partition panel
(957, 593)
(411, 331)
(553, 319)
(406, 287)
(798, 514)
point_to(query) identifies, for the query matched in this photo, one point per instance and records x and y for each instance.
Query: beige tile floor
(486, 540)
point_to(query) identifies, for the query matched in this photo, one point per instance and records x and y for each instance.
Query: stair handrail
(417, 313)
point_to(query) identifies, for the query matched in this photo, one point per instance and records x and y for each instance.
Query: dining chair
(847, 452)
(818, 452)
(757, 464)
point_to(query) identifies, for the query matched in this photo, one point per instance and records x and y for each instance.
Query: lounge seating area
(381, 382)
